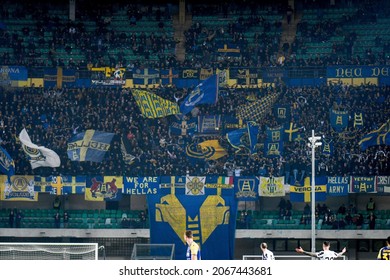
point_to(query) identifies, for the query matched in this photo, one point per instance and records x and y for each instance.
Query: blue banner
(183, 126)
(7, 165)
(348, 71)
(13, 73)
(211, 217)
(246, 188)
(337, 186)
(141, 185)
(303, 193)
(360, 184)
(169, 76)
(90, 145)
(339, 120)
(146, 76)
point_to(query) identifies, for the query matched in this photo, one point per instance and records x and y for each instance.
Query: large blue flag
(7, 165)
(380, 136)
(90, 145)
(204, 93)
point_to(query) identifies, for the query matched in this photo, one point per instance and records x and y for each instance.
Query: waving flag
(90, 145)
(39, 156)
(380, 136)
(153, 106)
(7, 165)
(211, 149)
(204, 93)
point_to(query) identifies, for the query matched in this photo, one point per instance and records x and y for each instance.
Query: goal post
(153, 252)
(49, 251)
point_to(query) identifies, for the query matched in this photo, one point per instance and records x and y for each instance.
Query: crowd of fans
(53, 117)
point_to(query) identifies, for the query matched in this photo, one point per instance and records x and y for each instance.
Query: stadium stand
(124, 46)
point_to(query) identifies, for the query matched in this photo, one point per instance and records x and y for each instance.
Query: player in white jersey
(325, 254)
(267, 254)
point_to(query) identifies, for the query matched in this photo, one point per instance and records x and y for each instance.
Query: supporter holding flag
(204, 93)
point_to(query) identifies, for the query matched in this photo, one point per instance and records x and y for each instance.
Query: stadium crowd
(52, 116)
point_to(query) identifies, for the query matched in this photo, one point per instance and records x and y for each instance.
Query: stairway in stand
(289, 32)
(179, 29)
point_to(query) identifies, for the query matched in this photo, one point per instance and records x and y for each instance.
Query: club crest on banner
(195, 185)
(246, 188)
(20, 188)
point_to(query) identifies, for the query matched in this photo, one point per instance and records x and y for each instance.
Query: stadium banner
(153, 106)
(211, 217)
(303, 193)
(13, 73)
(245, 76)
(169, 76)
(172, 182)
(147, 76)
(7, 164)
(348, 71)
(271, 186)
(71, 184)
(270, 75)
(44, 185)
(18, 188)
(383, 184)
(209, 124)
(338, 120)
(246, 188)
(108, 76)
(90, 145)
(59, 77)
(141, 185)
(205, 73)
(337, 186)
(195, 185)
(213, 181)
(361, 184)
(104, 188)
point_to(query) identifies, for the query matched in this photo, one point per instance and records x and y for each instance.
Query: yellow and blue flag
(376, 137)
(90, 145)
(303, 193)
(211, 150)
(104, 188)
(153, 106)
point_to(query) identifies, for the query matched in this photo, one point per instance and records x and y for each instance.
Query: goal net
(153, 252)
(48, 251)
